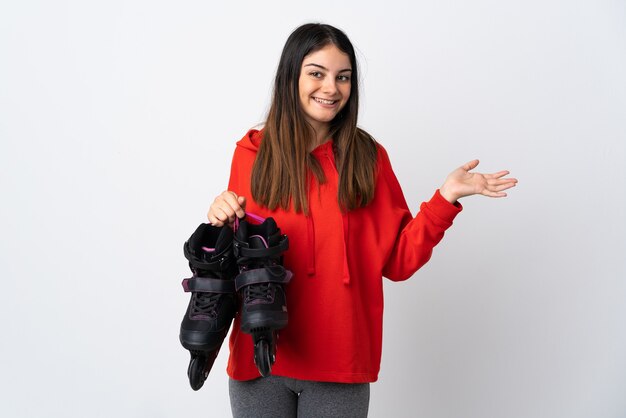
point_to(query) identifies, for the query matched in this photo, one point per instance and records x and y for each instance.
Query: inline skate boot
(213, 301)
(260, 285)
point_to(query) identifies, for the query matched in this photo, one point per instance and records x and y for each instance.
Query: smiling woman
(331, 188)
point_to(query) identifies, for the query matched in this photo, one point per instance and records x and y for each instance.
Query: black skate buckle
(221, 264)
(241, 249)
(236, 247)
(208, 284)
(269, 274)
(220, 261)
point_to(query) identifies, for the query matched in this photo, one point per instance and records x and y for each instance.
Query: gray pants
(283, 397)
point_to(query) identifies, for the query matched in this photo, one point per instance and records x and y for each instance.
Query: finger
(213, 220)
(501, 187)
(497, 175)
(498, 182)
(229, 212)
(470, 165)
(232, 200)
(225, 214)
(511, 182)
(242, 202)
(490, 193)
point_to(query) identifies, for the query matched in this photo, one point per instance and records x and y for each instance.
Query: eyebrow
(326, 69)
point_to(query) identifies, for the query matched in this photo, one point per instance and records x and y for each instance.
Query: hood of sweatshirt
(252, 140)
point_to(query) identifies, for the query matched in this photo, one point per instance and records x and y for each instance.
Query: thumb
(470, 165)
(242, 201)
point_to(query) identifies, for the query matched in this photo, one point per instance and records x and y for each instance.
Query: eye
(343, 78)
(315, 74)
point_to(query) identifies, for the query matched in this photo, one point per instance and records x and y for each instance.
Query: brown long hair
(282, 168)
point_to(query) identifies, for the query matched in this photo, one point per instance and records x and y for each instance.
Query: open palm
(461, 183)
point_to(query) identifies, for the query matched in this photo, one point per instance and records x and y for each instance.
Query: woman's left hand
(461, 183)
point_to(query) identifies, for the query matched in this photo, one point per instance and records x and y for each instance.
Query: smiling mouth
(324, 101)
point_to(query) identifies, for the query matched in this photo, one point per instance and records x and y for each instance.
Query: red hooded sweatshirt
(335, 298)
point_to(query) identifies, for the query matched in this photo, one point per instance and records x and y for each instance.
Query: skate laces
(205, 304)
(261, 292)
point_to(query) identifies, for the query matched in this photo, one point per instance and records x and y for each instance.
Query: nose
(330, 86)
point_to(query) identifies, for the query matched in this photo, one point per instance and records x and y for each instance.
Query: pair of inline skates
(238, 269)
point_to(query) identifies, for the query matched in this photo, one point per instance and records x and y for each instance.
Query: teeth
(323, 101)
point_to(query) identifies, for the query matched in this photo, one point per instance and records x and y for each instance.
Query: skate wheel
(262, 358)
(197, 372)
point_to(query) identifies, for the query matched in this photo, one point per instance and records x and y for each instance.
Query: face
(324, 85)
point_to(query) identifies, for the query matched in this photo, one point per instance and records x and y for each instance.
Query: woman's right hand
(225, 208)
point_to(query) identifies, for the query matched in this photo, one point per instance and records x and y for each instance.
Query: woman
(331, 189)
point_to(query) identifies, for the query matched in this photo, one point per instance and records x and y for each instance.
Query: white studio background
(118, 120)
